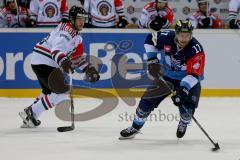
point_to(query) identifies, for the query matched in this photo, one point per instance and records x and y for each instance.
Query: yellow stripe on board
(20, 93)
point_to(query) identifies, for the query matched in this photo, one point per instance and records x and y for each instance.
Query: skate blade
(26, 124)
(127, 138)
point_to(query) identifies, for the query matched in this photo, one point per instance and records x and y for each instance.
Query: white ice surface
(98, 138)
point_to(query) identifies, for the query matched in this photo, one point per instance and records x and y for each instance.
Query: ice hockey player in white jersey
(48, 13)
(63, 48)
(204, 18)
(105, 14)
(13, 16)
(234, 19)
(156, 15)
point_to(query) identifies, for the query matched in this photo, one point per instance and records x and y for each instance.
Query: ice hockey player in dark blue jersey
(181, 63)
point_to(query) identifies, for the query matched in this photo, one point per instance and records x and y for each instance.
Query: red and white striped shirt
(62, 42)
(48, 12)
(215, 21)
(104, 13)
(150, 12)
(234, 8)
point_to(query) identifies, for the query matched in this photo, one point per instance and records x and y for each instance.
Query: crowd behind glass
(155, 15)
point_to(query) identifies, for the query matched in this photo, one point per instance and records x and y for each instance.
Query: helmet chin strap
(74, 24)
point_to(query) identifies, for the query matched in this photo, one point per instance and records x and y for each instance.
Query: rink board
(109, 46)
(109, 92)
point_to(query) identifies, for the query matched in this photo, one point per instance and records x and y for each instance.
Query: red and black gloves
(92, 73)
(67, 66)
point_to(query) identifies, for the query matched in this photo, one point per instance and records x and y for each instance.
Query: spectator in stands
(156, 15)
(204, 18)
(25, 3)
(14, 15)
(234, 20)
(48, 13)
(105, 14)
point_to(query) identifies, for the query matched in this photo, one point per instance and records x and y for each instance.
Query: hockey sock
(42, 105)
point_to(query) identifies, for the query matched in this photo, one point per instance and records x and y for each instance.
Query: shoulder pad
(68, 28)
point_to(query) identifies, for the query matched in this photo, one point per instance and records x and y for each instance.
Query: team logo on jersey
(104, 8)
(186, 10)
(196, 66)
(130, 10)
(176, 64)
(167, 48)
(50, 10)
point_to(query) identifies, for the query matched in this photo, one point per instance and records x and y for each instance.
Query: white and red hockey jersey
(62, 42)
(197, 16)
(103, 13)
(234, 8)
(149, 13)
(48, 12)
(8, 19)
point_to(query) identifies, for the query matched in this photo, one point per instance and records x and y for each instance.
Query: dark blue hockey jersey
(185, 64)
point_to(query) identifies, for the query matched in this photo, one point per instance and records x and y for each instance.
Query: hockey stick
(72, 127)
(216, 145)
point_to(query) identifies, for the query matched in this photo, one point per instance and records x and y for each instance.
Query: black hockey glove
(157, 23)
(180, 97)
(67, 66)
(31, 23)
(233, 24)
(205, 22)
(154, 67)
(92, 73)
(122, 23)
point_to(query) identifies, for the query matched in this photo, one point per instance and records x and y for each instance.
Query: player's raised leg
(146, 105)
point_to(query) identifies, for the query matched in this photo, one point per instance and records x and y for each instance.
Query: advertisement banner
(115, 51)
(120, 57)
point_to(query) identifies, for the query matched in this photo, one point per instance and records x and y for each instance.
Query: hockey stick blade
(216, 147)
(65, 129)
